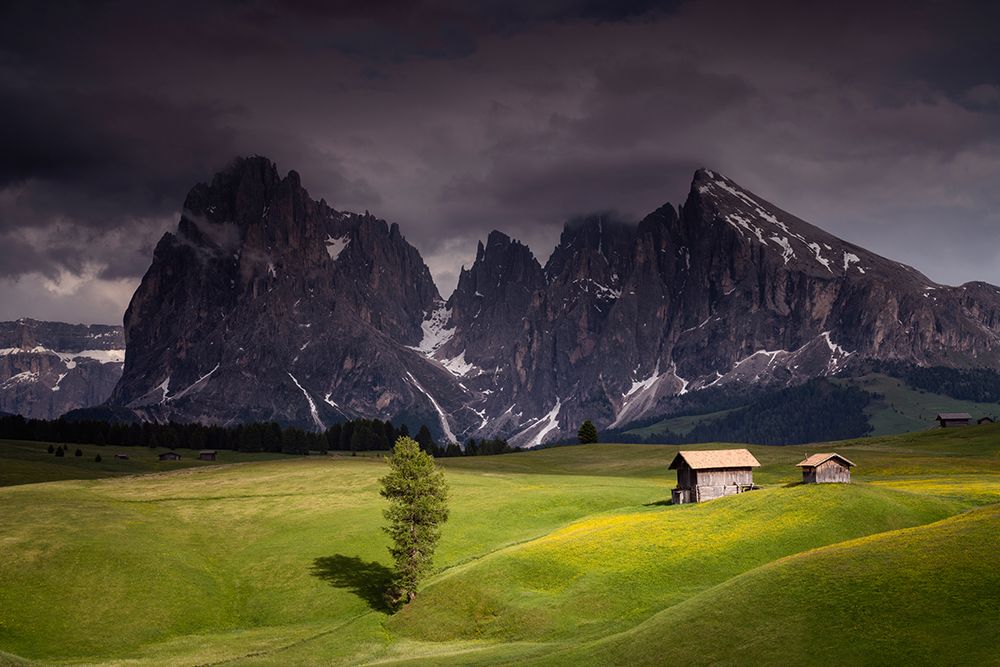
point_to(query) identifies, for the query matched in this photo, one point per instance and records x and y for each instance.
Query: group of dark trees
(61, 450)
(981, 385)
(374, 435)
(355, 436)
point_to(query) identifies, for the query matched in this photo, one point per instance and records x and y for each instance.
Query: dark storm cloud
(878, 121)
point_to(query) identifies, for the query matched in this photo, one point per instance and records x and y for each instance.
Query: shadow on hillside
(660, 503)
(369, 581)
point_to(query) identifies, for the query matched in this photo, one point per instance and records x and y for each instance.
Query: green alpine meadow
(562, 556)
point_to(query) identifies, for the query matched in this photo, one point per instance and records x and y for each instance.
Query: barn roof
(716, 458)
(954, 415)
(816, 459)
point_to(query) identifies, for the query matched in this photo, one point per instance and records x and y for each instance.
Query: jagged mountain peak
(719, 200)
(596, 246)
(267, 304)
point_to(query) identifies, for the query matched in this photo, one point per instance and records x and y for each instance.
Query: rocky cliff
(50, 368)
(268, 305)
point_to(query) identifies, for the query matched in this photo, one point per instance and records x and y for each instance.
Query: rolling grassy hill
(561, 556)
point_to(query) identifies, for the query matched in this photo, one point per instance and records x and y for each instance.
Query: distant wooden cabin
(829, 468)
(951, 419)
(704, 475)
(207, 455)
(170, 456)
(985, 420)
(121, 457)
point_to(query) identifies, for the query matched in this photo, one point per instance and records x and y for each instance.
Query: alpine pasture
(567, 555)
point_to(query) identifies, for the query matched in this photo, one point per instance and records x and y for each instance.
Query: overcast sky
(878, 121)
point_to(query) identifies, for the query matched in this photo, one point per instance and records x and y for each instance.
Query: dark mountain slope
(268, 305)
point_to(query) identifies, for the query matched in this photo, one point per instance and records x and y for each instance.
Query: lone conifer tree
(587, 433)
(418, 505)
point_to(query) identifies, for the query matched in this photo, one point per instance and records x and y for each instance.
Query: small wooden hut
(831, 468)
(985, 420)
(121, 457)
(206, 455)
(170, 456)
(704, 475)
(951, 419)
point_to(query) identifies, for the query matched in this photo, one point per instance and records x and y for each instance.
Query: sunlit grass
(545, 551)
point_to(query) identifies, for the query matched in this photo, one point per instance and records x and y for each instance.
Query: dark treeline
(977, 384)
(354, 436)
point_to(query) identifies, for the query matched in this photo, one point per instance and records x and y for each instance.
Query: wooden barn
(704, 475)
(985, 420)
(121, 457)
(170, 456)
(950, 419)
(831, 468)
(207, 455)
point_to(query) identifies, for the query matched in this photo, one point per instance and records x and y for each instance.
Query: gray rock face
(268, 305)
(731, 291)
(50, 368)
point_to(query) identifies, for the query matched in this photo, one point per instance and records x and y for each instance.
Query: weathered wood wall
(711, 484)
(833, 472)
(695, 486)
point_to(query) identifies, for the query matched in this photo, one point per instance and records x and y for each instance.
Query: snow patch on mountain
(458, 366)
(336, 245)
(197, 384)
(312, 405)
(445, 426)
(435, 329)
(786, 248)
(819, 256)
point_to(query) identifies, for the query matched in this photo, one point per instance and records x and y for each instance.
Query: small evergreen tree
(97, 459)
(60, 452)
(52, 449)
(78, 452)
(587, 433)
(418, 505)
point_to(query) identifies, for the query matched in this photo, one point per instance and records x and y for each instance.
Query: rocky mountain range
(266, 304)
(50, 368)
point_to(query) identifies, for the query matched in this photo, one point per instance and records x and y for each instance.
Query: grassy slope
(902, 410)
(919, 596)
(608, 573)
(680, 425)
(23, 462)
(905, 409)
(140, 566)
(215, 563)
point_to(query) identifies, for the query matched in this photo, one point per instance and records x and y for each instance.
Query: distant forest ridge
(355, 436)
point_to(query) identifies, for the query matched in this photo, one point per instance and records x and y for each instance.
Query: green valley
(567, 555)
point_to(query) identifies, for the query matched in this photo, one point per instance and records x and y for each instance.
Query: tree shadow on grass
(369, 581)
